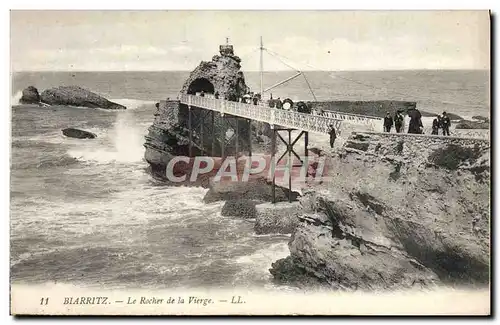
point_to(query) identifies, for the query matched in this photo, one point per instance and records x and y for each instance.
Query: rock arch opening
(201, 84)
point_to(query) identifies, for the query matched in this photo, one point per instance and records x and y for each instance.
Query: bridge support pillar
(190, 127)
(201, 140)
(237, 149)
(214, 135)
(289, 150)
(249, 137)
(273, 164)
(222, 140)
(306, 143)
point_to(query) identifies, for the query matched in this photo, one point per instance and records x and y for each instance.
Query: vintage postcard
(250, 163)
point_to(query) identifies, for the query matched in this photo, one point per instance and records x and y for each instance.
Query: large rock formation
(397, 211)
(168, 136)
(30, 96)
(77, 96)
(221, 75)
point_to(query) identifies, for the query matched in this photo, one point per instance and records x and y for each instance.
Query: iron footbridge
(315, 123)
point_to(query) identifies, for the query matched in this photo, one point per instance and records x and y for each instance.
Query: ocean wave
(130, 103)
(255, 266)
(14, 100)
(264, 257)
(126, 144)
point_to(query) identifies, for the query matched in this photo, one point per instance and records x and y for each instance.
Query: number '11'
(44, 301)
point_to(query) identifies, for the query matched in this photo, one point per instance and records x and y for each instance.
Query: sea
(86, 212)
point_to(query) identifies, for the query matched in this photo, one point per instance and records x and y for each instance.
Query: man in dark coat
(415, 126)
(333, 135)
(445, 123)
(398, 121)
(388, 122)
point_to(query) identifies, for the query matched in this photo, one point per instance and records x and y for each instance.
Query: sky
(310, 40)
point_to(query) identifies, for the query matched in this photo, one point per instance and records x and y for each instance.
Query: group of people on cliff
(415, 126)
(441, 122)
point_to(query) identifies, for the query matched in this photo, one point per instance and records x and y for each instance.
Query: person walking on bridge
(333, 135)
(388, 122)
(279, 104)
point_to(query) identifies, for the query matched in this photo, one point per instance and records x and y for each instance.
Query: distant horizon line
(256, 71)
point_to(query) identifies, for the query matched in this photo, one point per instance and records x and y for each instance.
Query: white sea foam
(133, 103)
(14, 100)
(263, 258)
(126, 144)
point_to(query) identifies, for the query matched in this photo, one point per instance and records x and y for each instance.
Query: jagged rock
(221, 75)
(79, 134)
(77, 96)
(366, 229)
(30, 96)
(239, 208)
(278, 218)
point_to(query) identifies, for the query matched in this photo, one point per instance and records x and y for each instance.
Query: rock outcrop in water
(399, 211)
(79, 134)
(473, 125)
(77, 96)
(30, 96)
(258, 190)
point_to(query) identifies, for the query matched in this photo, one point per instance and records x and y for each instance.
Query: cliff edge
(396, 211)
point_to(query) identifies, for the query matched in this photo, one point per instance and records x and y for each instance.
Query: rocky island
(67, 96)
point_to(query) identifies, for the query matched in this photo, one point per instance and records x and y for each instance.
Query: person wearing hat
(333, 135)
(445, 124)
(388, 122)
(398, 121)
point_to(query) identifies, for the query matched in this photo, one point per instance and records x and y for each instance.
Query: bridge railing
(274, 116)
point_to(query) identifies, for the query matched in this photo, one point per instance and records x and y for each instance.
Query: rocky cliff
(396, 211)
